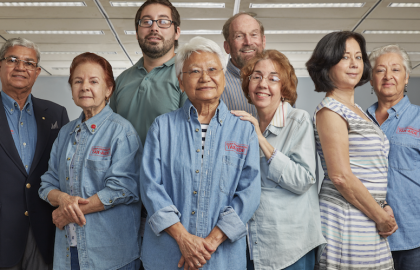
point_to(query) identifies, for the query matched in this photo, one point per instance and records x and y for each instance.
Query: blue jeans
(74, 262)
(407, 259)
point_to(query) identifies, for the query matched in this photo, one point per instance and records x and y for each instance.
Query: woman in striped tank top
(353, 152)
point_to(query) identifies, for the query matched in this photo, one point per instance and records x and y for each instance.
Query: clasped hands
(69, 211)
(389, 226)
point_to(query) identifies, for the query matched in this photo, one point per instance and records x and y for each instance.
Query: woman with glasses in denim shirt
(93, 177)
(200, 179)
(286, 229)
(400, 121)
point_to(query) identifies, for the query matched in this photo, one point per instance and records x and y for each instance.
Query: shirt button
(68, 158)
(15, 105)
(26, 213)
(67, 178)
(110, 201)
(197, 171)
(26, 166)
(67, 255)
(66, 236)
(195, 192)
(28, 185)
(21, 123)
(193, 212)
(123, 194)
(398, 115)
(198, 150)
(255, 242)
(74, 143)
(67, 248)
(196, 130)
(11, 110)
(221, 121)
(24, 144)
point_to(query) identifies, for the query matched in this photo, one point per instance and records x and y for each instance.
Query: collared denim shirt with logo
(176, 186)
(107, 163)
(287, 224)
(403, 193)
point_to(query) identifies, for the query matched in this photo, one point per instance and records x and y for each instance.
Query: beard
(153, 49)
(241, 60)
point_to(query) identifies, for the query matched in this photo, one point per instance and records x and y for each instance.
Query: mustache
(155, 35)
(247, 48)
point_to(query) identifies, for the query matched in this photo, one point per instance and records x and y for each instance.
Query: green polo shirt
(140, 96)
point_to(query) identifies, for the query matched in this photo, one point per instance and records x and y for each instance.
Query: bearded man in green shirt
(150, 87)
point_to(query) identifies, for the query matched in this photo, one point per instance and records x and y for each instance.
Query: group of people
(191, 161)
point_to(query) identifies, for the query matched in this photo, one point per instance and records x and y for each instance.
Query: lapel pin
(93, 126)
(43, 118)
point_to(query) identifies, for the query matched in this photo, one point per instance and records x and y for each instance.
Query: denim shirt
(176, 186)
(403, 195)
(23, 127)
(107, 163)
(287, 224)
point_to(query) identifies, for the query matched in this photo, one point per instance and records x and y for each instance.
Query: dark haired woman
(354, 155)
(93, 177)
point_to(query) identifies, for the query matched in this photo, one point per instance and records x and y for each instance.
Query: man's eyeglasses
(162, 23)
(12, 61)
(197, 72)
(257, 78)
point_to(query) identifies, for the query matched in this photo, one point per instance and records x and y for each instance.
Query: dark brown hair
(283, 67)
(88, 57)
(174, 14)
(328, 52)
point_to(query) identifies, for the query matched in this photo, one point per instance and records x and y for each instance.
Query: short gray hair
(393, 48)
(20, 42)
(197, 44)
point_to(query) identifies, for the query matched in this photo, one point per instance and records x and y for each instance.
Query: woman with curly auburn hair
(286, 229)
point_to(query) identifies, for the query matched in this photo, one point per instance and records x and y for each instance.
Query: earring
(371, 92)
(405, 88)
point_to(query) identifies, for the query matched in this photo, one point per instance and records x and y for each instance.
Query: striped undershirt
(204, 128)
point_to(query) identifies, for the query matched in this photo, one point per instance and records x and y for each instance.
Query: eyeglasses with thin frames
(161, 23)
(257, 78)
(198, 72)
(12, 61)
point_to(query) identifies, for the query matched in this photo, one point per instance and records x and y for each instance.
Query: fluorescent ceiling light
(308, 5)
(187, 32)
(175, 4)
(413, 52)
(119, 68)
(404, 5)
(61, 68)
(201, 32)
(77, 52)
(42, 4)
(276, 32)
(55, 32)
(301, 69)
(391, 32)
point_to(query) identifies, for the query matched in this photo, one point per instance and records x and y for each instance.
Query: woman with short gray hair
(400, 121)
(200, 172)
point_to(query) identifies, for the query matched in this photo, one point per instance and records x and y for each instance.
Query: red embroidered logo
(241, 149)
(409, 130)
(100, 151)
(12, 131)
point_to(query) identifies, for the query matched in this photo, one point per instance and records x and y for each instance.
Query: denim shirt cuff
(164, 218)
(231, 224)
(44, 194)
(110, 197)
(276, 167)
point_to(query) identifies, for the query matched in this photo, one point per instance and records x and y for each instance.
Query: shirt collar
(279, 118)
(220, 115)
(95, 123)
(398, 108)
(232, 69)
(12, 106)
(170, 62)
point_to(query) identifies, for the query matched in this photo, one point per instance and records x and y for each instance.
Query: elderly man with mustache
(244, 38)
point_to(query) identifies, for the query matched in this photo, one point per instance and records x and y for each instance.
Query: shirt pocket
(404, 153)
(231, 171)
(98, 165)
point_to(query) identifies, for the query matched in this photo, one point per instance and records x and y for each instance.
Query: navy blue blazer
(20, 206)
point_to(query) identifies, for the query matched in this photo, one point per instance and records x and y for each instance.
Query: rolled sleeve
(122, 178)
(164, 218)
(231, 224)
(295, 170)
